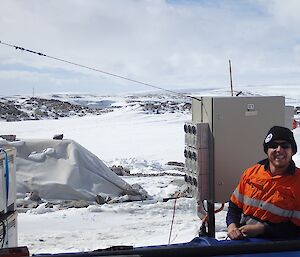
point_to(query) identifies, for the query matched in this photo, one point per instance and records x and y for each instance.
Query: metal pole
(230, 78)
(211, 198)
(211, 219)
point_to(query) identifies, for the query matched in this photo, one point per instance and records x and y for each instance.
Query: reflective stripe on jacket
(269, 198)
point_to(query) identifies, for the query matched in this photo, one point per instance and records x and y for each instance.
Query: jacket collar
(290, 170)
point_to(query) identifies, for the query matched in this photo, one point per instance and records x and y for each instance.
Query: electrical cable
(177, 195)
(123, 77)
(94, 69)
(202, 231)
(2, 238)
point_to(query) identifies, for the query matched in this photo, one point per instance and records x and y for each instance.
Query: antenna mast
(230, 78)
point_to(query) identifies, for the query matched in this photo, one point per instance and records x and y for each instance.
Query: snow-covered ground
(140, 141)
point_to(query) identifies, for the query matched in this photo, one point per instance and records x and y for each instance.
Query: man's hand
(252, 230)
(235, 233)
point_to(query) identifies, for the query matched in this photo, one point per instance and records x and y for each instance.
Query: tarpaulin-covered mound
(64, 170)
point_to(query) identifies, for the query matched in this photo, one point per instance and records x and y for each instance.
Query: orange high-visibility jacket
(269, 198)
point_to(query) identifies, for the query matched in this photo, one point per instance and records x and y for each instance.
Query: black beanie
(280, 133)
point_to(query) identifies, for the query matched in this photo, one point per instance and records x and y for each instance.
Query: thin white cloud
(167, 43)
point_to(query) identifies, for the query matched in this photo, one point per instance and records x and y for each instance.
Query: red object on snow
(295, 124)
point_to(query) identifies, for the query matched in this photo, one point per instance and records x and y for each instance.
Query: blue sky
(171, 44)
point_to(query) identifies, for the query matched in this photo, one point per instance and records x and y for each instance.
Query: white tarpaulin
(64, 170)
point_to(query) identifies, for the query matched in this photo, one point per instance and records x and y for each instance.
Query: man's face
(280, 154)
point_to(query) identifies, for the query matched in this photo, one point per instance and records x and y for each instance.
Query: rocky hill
(35, 108)
(18, 108)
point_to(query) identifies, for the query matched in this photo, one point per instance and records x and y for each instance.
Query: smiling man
(266, 202)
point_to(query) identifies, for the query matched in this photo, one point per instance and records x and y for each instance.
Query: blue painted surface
(193, 249)
(199, 242)
(206, 241)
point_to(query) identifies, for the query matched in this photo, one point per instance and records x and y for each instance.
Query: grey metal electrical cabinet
(289, 116)
(237, 126)
(8, 181)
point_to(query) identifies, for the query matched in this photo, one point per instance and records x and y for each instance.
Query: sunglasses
(284, 145)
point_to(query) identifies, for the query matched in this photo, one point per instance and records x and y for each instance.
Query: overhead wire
(121, 76)
(94, 69)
